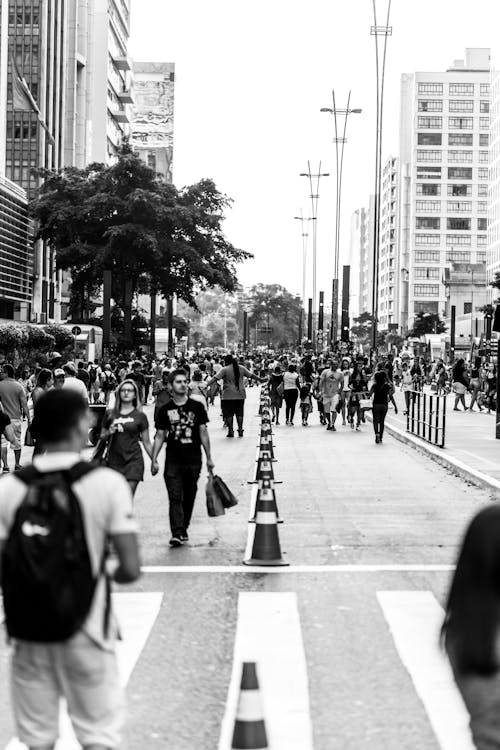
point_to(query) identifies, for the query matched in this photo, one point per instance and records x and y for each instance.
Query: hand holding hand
(154, 468)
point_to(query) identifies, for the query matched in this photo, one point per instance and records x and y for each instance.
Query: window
(460, 173)
(484, 107)
(482, 191)
(482, 225)
(429, 139)
(461, 105)
(422, 307)
(460, 139)
(427, 273)
(482, 207)
(457, 239)
(483, 157)
(484, 123)
(427, 222)
(431, 123)
(481, 240)
(484, 139)
(429, 206)
(428, 155)
(460, 225)
(423, 189)
(426, 290)
(484, 89)
(459, 155)
(428, 173)
(480, 257)
(453, 256)
(152, 160)
(465, 206)
(426, 256)
(430, 105)
(431, 88)
(427, 239)
(482, 173)
(459, 189)
(460, 123)
(461, 89)
(467, 308)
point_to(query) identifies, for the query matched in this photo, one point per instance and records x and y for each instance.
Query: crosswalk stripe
(137, 614)
(414, 619)
(269, 633)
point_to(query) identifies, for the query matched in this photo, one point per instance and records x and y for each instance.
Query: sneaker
(329, 427)
(358, 428)
(377, 439)
(240, 433)
(287, 421)
(230, 433)
(6, 469)
(176, 541)
(184, 537)
(334, 429)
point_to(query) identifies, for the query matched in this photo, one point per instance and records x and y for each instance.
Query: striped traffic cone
(266, 443)
(266, 501)
(249, 726)
(266, 549)
(264, 468)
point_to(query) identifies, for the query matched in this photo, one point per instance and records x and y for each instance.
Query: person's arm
(8, 431)
(218, 376)
(157, 446)
(126, 547)
(205, 441)
(24, 403)
(146, 441)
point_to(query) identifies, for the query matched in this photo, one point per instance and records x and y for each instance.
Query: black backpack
(47, 578)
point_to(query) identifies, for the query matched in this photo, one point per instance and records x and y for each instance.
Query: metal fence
(427, 417)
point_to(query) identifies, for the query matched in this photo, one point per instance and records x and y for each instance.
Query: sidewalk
(471, 449)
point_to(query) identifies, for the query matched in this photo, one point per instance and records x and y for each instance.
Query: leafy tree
(362, 327)
(427, 323)
(126, 219)
(273, 305)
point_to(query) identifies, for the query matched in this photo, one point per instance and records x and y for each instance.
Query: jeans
(379, 411)
(290, 395)
(182, 484)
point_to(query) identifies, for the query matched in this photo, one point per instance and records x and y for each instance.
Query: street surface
(345, 638)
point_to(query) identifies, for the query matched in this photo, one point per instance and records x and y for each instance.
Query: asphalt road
(359, 519)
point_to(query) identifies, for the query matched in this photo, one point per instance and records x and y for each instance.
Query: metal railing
(427, 417)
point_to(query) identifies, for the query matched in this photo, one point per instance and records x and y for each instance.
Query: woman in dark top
(125, 427)
(44, 383)
(475, 386)
(382, 392)
(358, 386)
(460, 384)
(276, 392)
(471, 629)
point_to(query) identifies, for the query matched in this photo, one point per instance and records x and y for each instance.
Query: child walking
(305, 403)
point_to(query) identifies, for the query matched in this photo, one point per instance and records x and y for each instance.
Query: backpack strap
(79, 470)
(28, 474)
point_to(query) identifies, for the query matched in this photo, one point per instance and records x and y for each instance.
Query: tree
(427, 323)
(126, 219)
(363, 327)
(274, 306)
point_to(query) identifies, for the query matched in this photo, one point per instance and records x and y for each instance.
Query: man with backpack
(58, 518)
(95, 374)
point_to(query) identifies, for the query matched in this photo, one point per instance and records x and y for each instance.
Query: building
(153, 119)
(493, 252)
(16, 253)
(443, 174)
(389, 259)
(362, 257)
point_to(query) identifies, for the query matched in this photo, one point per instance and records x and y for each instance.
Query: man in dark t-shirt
(182, 423)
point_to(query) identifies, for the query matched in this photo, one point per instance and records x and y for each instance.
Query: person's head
(179, 382)
(197, 376)
(81, 365)
(334, 363)
(136, 366)
(228, 360)
(126, 394)
(59, 378)
(44, 379)
(277, 370)
(404, 366)
(471, 623)
(61, 420)
(345, 364)
(380, 377)
(292, 367)
(69, 369)
(8, 370)
(202, 367)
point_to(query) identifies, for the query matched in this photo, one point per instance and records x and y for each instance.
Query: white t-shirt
(74, 384)
(106, 504)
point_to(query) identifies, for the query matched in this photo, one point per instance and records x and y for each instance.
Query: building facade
(443, 173)
(361, 260)
(153, 120)
(493, 252)
(389, 260)
(16, 253)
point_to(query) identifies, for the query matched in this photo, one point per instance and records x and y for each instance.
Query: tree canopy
(274, 306)
(427, 323)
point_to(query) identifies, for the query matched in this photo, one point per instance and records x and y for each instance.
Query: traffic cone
(266, 501)
(264, 468)
(249, 726)
(266, 444)
(266, 550)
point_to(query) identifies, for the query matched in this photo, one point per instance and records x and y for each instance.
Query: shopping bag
(214, 503)
(227, 498)
(365, 403)
(28, 439)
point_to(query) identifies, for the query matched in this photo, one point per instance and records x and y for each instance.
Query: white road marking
(414, 618)
(417, 568)
(269, 633)
(137, 614)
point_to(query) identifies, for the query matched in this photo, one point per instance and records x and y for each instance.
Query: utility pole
(305, 235)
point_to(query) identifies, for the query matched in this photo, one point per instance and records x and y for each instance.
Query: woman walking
(276, 393)
(124, 427)
(382, 393)
(290, 392)
(460, 384)
(475, 386)
(358, 386)
(233, 392)
(406, 385)
(471, 629)
(44, 383)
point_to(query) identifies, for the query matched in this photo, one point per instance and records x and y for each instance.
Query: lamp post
(314, 206)
(339, 141)
(305, 235)
(378, 31)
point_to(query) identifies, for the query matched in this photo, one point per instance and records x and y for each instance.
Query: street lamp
(305, 235)
(339, 164)
(314, 206)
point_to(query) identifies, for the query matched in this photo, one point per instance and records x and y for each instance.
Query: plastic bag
(227, 498)
(214, 503)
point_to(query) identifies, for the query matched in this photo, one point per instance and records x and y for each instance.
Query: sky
(251, 77)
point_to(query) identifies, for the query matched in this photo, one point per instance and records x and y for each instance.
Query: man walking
(182, 422)
(15, 405)
(330, 386)
(66, 512)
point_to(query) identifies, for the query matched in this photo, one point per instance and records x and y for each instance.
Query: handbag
(28, 438)
(365, 403)
(214, 503)
(101, 453)
(227, 498)
(459, 388)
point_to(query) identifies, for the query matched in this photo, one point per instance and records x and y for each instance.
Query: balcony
(123, 63)
(121, 116)
(125, 97)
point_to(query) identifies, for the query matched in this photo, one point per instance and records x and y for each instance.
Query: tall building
(389, 260)
(444, 140)
(153, 121)
(493, 253)
(361, 260)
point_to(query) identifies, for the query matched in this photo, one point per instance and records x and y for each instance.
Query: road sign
(76, 330)
(265, 330)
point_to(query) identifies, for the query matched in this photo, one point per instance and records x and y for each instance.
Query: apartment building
(389, 261)
(361, 260)
(493, 251)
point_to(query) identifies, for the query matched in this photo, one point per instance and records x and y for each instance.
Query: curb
(454, 465)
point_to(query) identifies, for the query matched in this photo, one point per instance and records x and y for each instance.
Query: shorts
(232, 407)
(17, 426)
(330, 404)
(77, 670)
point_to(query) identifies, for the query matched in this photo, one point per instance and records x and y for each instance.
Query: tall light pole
(305, 235)
(340, 142)
(314, 206)
(378, 31)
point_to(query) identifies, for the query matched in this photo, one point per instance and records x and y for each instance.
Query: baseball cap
(59, 372)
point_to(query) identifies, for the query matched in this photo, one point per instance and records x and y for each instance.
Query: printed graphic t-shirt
(182, 425)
